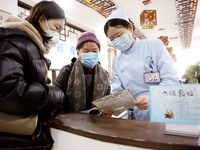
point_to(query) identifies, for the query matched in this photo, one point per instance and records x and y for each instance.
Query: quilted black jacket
(22, 77)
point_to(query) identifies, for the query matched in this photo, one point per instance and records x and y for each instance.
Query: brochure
(118, 102)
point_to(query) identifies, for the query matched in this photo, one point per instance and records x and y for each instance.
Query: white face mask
(55, 37)
(123, 42)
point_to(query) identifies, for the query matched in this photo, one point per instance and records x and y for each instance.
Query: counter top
(139, 133)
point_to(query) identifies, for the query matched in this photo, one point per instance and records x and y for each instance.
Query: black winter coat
(22, 77)
(62, 81)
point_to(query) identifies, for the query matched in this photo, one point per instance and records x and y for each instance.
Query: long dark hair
(50, 10)
(116, 22)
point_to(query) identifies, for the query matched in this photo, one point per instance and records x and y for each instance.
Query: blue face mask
(123, 42)
(90, 59)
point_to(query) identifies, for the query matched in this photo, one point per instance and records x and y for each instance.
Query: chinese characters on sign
(180, 93)
(60, 47)
(73, 50)
(175, 103)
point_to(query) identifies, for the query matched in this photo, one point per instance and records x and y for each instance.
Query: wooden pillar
(53, 76)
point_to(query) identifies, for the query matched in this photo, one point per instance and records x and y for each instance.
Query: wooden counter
(136, 133)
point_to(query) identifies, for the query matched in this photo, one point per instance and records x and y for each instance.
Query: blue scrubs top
(129, 67)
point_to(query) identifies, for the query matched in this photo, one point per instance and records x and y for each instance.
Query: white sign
(175, 103)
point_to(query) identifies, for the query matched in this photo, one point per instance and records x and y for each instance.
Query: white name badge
(152, 77)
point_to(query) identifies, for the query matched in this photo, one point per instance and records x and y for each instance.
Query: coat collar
(18, 23)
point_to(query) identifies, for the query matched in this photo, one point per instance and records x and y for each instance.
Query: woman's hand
(107, 113)
(142, 102)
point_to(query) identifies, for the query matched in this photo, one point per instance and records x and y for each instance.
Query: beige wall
(9, 6)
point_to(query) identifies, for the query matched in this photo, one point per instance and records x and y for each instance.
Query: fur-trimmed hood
(18, 23)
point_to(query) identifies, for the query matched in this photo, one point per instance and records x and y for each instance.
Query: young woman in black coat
(24, 69)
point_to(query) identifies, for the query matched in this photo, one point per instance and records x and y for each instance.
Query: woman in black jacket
(23, 70)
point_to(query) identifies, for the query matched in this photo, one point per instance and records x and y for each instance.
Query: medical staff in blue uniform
(139, 64)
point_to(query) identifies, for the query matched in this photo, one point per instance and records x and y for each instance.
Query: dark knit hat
(87, 36)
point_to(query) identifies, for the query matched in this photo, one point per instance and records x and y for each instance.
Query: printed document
(118, 102)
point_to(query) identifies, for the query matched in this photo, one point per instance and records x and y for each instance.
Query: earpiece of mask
(90, 59)
(122, 43)
(55, 37)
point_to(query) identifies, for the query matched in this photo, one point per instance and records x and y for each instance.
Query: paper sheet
(118, 102)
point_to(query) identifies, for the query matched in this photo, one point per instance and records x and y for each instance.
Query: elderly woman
(84, 80)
